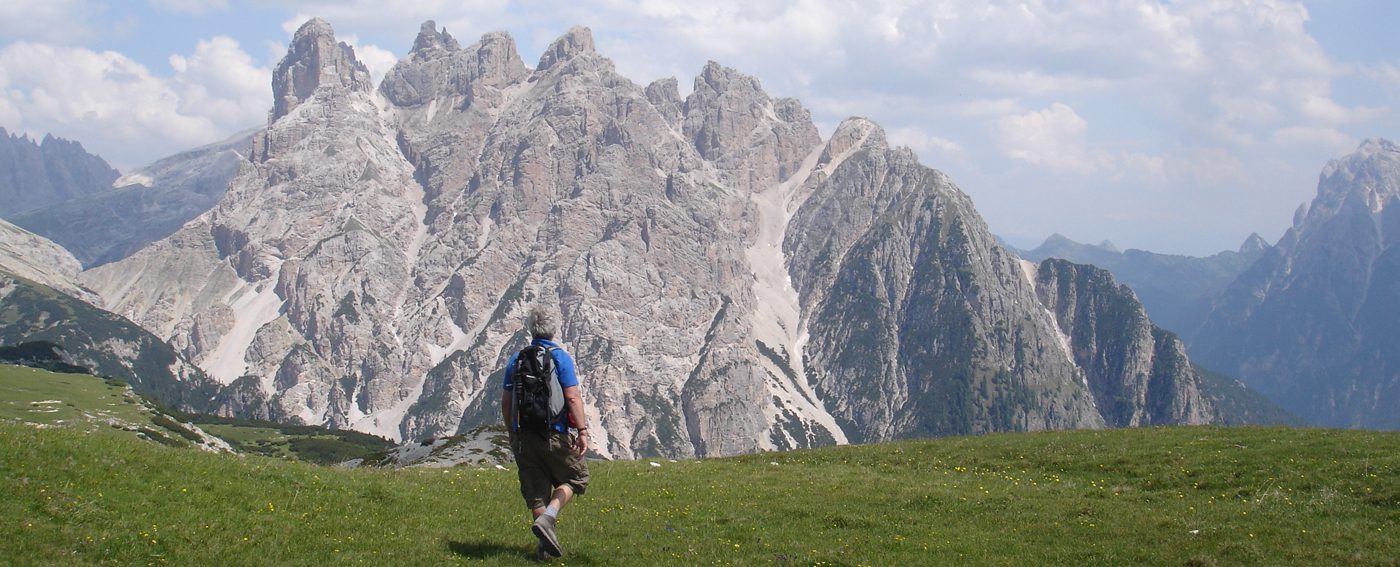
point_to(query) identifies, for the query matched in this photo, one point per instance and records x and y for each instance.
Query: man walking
(540, 402)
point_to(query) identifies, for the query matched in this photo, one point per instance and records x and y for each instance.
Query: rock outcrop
(920, 324)
(728, 282)
(37, 259)
(1138, 373)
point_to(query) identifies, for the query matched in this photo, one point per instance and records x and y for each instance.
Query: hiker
(540, 402)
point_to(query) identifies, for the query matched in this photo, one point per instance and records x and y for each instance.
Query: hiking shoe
(544, 529)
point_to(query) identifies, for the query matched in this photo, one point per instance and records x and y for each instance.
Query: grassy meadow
(76, 490)
(1162, 496)
(49, 399)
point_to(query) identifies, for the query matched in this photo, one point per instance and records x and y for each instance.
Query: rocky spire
(665, 95)
(578, 40)
(439, 67)
(498, 63)
(1254, 243)
(430, 38)
(314, 59)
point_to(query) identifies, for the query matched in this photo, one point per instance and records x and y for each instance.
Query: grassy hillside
(87, 403)
(46, 399)
(1171, 496)
(108, 344)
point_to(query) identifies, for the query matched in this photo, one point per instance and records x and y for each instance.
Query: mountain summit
(313, 59)
(1312, 324)
(729, 281)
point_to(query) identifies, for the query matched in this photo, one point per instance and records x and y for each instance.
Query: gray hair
(541, 322)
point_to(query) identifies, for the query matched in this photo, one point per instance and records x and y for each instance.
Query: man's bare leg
(562, 495)
(545, 518)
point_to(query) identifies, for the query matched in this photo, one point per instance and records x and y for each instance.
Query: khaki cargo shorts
(546, 462)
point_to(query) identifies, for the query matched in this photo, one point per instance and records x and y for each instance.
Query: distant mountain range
(141, 207)
(1177, 290)
(729, 281)
(34, 175)
(1309, 322)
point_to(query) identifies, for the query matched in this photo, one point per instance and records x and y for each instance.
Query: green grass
(26, 393)
(1162, 496)
(47, 398)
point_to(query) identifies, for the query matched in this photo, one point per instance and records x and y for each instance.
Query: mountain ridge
(37, 174)
(717, 264)
(1311, 323)
(1177, 290)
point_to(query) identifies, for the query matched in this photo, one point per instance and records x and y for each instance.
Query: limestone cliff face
(1312, 324)
(286, 290)
(920, 324)
(728, 281)
(1137, 372)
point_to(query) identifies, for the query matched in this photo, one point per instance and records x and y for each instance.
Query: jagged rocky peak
(665, 95)
(719, 79)
(731, 121)
(1372, 146)
(314, 59)
(1370, 176)
(1254, 243)
(34, 176)
(577, 41)
(438, 68)
(429, 39)
(852, 134)
(497, 60)
(1312, 323)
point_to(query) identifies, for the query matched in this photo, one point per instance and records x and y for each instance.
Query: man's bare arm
(574, 398)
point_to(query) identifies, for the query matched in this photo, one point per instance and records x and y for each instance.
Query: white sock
(552, 512)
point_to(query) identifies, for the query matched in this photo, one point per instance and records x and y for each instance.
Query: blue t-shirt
(564, 366)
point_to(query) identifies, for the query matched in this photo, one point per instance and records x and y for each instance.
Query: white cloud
(1387, 74)
(1053, 137)
(1031, 82)
(1330, 140)
(1056, 138)
(401, 17)
(119, 110)
(221, 82)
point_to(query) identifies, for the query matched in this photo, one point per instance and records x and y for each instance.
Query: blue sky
(1171, 126)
